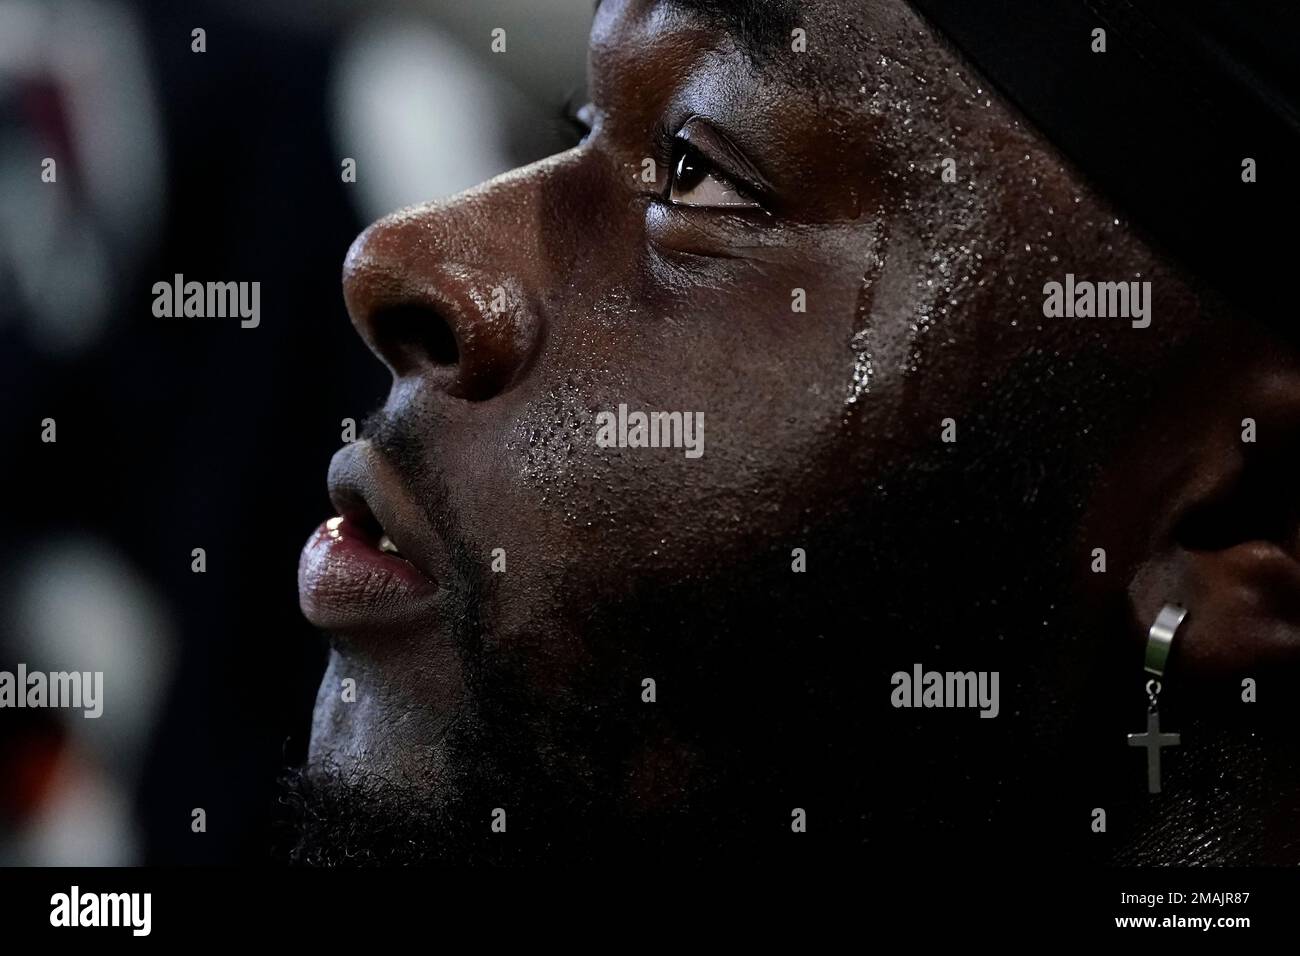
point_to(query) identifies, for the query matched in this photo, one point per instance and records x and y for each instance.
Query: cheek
(755, 391)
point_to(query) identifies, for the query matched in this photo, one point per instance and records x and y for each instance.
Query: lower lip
(345, 583)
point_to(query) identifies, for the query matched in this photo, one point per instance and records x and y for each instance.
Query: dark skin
(523, 689)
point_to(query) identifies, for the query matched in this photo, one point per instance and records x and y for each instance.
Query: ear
(1211, 504)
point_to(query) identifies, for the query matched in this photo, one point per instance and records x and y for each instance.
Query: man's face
(758, 234)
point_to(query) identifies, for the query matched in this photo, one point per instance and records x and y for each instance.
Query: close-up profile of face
(854, 439)
(711, 435)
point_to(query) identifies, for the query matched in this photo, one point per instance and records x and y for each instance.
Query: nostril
(411, 336)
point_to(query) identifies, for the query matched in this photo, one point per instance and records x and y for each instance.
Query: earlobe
(1227, 543)
(1243, 609)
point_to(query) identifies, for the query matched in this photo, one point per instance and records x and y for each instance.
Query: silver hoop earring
(1160, 641)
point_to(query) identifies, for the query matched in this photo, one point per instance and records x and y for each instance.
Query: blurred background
(172, 435)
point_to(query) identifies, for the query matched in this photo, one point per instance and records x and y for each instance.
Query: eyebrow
(757, 24)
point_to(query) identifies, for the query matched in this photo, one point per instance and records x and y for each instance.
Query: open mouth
(353, 576)
(366, 526)
(356, 520)
(366, 531)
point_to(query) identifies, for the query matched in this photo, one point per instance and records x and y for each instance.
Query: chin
(366, 738)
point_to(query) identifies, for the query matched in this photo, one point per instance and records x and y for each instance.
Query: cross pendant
(1153, 740)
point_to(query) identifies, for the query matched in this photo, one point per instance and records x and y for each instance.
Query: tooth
(386, 544)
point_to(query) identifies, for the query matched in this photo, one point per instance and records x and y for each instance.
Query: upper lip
(366, 490)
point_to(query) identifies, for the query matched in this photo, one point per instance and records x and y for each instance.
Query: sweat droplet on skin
(860, 343)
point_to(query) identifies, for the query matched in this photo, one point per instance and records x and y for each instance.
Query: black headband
(1162, 121)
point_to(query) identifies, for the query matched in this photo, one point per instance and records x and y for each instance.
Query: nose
(447, 292)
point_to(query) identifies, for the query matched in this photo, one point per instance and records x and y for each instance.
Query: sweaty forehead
(835, 38)
(756, 25)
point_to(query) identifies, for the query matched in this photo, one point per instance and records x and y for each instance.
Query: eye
(697, 182)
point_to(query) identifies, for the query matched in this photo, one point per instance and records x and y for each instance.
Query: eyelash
(675, 147)
(670, 145)
(682, 149)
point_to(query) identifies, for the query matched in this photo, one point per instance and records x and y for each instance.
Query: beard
(764, 708)
(775, 698)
